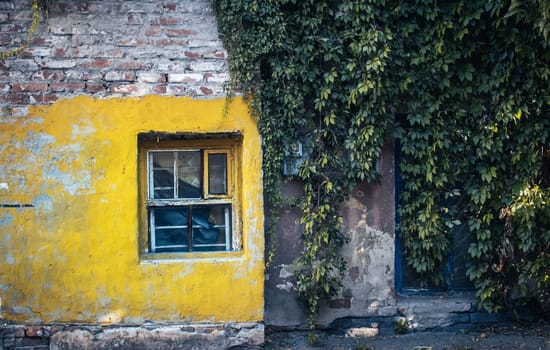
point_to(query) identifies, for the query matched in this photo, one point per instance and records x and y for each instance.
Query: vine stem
(35, 7)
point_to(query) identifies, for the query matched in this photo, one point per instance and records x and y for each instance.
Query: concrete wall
(369, 222)
(97, 74)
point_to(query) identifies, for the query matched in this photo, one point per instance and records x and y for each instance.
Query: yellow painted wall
(74, 256)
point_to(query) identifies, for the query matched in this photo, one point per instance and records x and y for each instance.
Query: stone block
(362, 332)
(436, 320)
(163, 337)
(34, 331)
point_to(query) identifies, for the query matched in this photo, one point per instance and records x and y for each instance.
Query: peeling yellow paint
(71, 254)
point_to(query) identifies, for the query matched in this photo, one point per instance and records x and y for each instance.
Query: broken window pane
(211, 227)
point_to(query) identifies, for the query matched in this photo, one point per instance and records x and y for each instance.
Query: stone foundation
(147, 336)
(425, 313)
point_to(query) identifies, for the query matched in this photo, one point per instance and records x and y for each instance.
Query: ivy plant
(463, 85)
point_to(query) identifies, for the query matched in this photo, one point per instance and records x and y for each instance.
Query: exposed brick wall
(111, 49)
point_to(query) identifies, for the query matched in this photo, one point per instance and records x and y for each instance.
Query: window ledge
(162, 258)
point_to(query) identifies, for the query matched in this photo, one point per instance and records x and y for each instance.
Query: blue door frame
(456, 262)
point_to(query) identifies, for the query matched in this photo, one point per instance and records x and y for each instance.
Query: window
(189, 191)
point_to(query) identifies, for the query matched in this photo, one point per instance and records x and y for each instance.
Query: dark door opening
(456, 264)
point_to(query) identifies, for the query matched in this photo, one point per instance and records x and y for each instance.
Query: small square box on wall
(294, 158)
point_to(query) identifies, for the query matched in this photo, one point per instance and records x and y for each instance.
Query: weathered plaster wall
(70, 252)
(369, 282)
(95, 74)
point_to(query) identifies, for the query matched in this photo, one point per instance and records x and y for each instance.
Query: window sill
(157, 258)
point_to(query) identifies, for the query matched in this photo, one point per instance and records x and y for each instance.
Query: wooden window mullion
(190, 227)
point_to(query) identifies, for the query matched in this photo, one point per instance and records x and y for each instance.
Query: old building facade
(131, 200)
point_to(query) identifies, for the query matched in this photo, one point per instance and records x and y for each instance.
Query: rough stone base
(148, 336)
(423, 313)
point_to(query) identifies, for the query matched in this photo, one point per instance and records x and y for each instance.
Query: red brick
(168, 42)
(43, 98)
(170, 7)
(39, 41)
(220, 54)
(67, 86)
(57, 64)
(36, 51)
(115, 53)
(181, 32)
(33, 331)
(91, 76)
(120, 76)
(93, 88)
(132, 42)
(177, 89)
(20, 99)
(192, 55)
(130, 65)
(49, 74)
(206, 91)
(98, 64)
(147, 77)
(59, 52)
(124, 89)
(169, 21)
(153, 30)
(29, 87)
(159, 89)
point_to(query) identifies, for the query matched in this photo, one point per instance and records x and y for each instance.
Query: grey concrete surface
(511, 336)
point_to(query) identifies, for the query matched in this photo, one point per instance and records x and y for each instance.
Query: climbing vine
(315, 73)
(463, 85)
(37, 7)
